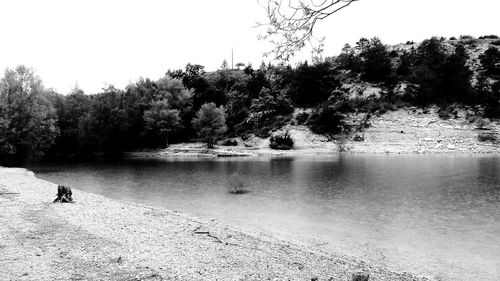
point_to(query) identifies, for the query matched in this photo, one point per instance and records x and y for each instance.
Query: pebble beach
(98, 238)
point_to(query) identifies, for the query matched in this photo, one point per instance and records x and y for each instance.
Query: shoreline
(404, 131)
(102, 238)
(219, 152)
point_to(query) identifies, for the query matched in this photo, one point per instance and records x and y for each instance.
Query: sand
(404, 131)
(98, 238)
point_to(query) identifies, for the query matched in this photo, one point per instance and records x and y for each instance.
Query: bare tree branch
(291, 25)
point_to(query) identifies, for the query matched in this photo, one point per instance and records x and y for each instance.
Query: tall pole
(232, 56)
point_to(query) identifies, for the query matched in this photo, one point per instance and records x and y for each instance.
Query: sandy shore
(103, 239)
(423, 131)
(404, 131)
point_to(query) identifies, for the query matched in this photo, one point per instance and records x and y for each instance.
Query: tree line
(191, 103)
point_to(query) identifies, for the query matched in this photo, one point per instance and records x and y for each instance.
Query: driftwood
(64, 194)
(360, 276)
(207, 233)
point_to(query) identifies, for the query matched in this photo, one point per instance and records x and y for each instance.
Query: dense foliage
(210, 123)
(281, 141)
(28, 121)
(189, 103)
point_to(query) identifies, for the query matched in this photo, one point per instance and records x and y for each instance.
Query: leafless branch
(291, 25)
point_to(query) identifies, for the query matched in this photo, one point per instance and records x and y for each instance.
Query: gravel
(103, 239)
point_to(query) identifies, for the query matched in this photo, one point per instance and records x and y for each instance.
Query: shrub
(488, 37)
(466, 37)
(483, 124)
(230, 142)
(281, 141)
(496, 43)
(488, 137)
(326, 120)
(302, 118)
(359, 138)
(346, 106)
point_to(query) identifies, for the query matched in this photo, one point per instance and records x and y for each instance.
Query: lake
(434, 215)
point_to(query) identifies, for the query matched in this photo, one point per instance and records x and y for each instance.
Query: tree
(161, 120)
(105, 127)
(348, 59)
(457, 75)
(70, 109)
(309, 85)
(240, 65)
(439, 76)
(427, 71)
(490, 60)
(376, 63)
(28, 121)
(270, 104)
(210, 123)
(290, 24)
(270, 111)
(325, 119)
(174, 92)
(224, 64)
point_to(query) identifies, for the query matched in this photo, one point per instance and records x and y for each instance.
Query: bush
(444, 113)
(230, 142)
(488, 37)
(488, 137)
(326, 120)
(359, 138)
(281, 141)
(496, 43)
(466, 37)
(302, 118)
(483, 124)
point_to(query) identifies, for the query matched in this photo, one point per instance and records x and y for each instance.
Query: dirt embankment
(403, 131)
(102, 239)
(423, 131)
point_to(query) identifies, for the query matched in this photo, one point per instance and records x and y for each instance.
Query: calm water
(438, 216)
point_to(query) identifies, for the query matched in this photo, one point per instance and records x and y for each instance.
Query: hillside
(381, 116)
(352, 102)
(404, 131)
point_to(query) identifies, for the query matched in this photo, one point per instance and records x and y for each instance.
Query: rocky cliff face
(415, 130)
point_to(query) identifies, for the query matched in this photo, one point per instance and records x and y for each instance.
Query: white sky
(94, 43)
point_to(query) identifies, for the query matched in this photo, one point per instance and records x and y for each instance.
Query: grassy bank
(103, 239)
